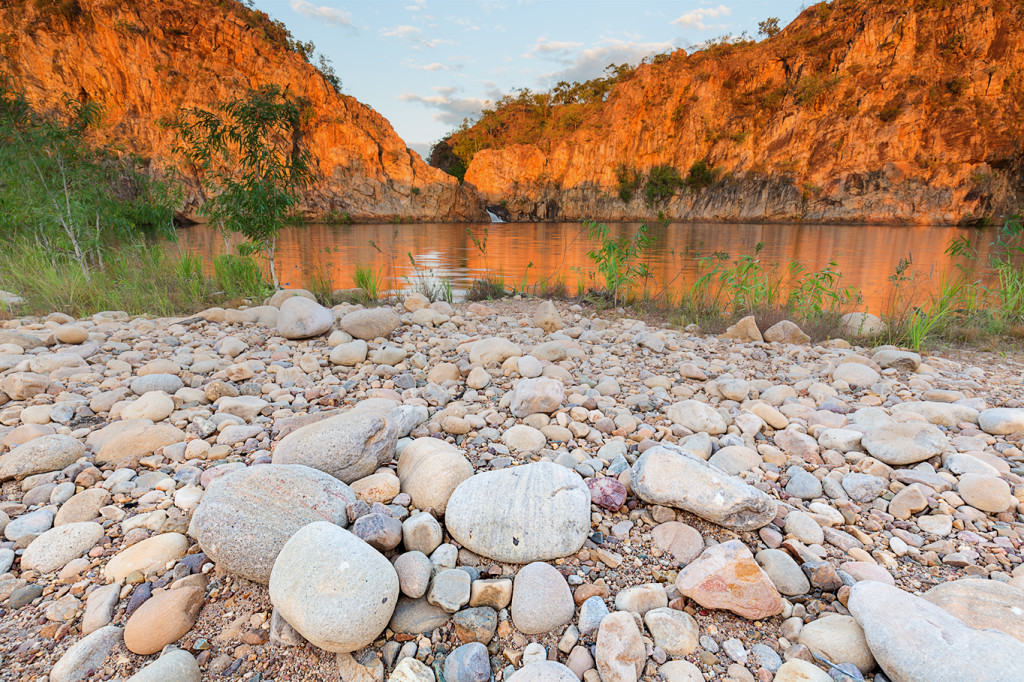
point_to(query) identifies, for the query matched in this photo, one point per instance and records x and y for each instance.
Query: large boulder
(531, 396)
(675, 479)
(914, 640)
(125, 449)
(370, 324)
(24, 385)
(333, 588)
(493, 349)
(430, 470)
(57, 546)
(40, 455)
(348, 446)
(534, 512)
(247, 515)
(1002, 421)
(302, 318)
(904, 443)
(982, 604)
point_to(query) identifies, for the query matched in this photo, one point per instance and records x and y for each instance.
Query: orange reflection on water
(867, 256)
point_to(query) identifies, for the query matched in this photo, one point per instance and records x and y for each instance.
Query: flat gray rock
(39, 455)
(248, 515)
(86, 655)
(669, 477)
(533, 512)
(348, 446)
(904, 443)
(914, 640)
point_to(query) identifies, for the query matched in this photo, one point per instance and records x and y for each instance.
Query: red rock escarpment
(145, 61)
(860, 110)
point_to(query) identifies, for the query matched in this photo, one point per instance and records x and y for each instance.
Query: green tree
(253, 163)
(57, 190)
(769, 28)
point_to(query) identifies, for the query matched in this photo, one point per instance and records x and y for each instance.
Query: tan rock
(381, 487)
(429, 470)
(126, 448)
(163, 619)
(620, 651)
(152, 555)
(745, 331)
(727, 577)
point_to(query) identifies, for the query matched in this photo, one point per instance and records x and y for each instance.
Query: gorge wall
(859, 110)
(145, 61)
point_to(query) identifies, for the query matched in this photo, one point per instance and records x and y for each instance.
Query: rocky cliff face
(145, 61)
(860, 110)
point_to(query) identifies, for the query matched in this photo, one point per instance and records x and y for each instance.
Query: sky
(426, 65)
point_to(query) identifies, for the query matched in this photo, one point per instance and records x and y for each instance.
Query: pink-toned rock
(680, 540)
(727, 577)
(865, 570)
(606, 492)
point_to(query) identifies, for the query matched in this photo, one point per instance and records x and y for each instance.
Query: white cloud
(433, 66)
(544, 47)
(328, 15)
(450, 108)
(581, 65)
(417, 5)
(695, 18)
(413, 35)
(405, 32)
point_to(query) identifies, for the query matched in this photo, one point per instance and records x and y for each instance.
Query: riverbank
(743, 509)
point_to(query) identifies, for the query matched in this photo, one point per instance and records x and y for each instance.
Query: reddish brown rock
(606, 492)
(727, 577)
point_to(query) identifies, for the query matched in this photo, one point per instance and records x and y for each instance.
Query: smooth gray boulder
(40, 455)
(914, 640)
(982, 604)
(904, 443)
(673, 478)
(349, 446)
(57, 546)
(333, 588)
(86, 655)
(301, 318)
(370, 324)
(533, 512)
(176, 665)
(247, 515)
(1002, 421)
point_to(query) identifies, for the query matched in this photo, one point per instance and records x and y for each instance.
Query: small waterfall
(494, 218)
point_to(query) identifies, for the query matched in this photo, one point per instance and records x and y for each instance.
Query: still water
(866, 255)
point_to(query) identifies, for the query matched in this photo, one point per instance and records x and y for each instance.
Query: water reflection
(867, 256)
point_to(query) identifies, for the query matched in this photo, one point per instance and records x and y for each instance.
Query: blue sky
(427, 64)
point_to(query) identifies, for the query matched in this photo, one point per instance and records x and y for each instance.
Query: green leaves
(64, 194)
(250, 155)
(618, 258)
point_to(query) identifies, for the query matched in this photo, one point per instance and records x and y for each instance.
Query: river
(866, 255)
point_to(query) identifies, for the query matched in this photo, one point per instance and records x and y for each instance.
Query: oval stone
(534, 512)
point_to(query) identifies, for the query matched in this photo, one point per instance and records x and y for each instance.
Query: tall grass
(140, 279)
(370, 282)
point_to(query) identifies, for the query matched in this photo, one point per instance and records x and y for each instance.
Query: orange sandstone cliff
(859, 110)
(143, 61)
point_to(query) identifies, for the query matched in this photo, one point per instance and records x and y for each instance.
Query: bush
(628, 180)
(701, 175)
(662, 184)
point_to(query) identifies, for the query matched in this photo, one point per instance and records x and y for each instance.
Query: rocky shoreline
(514, 490)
